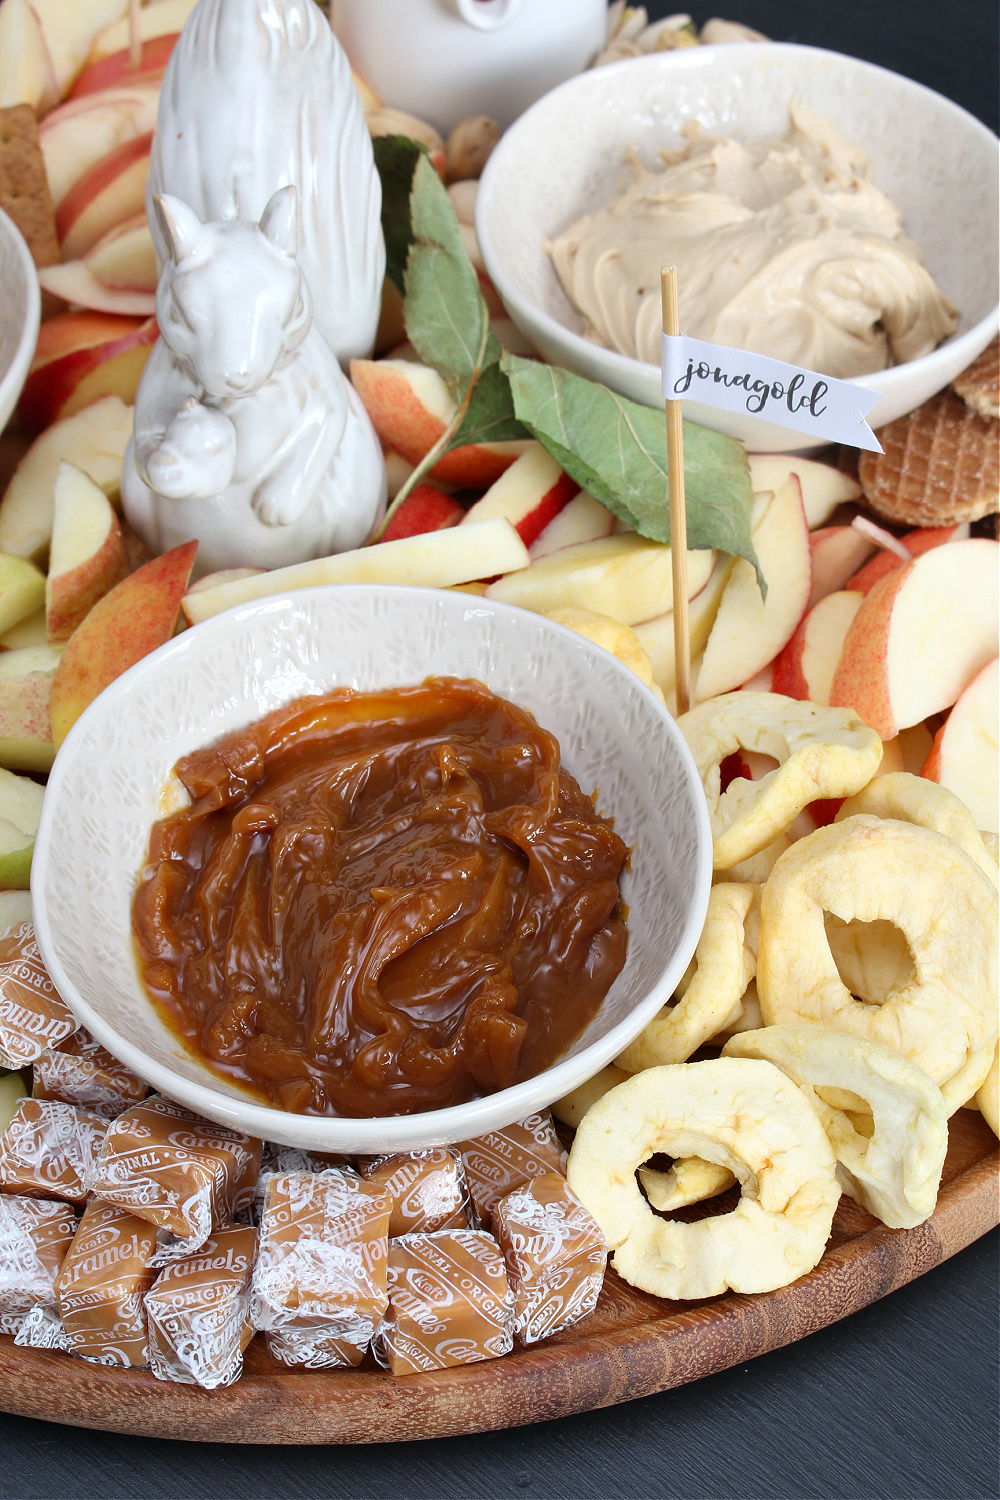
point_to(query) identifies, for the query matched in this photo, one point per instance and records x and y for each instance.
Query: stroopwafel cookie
(979, 385)
(940, 466)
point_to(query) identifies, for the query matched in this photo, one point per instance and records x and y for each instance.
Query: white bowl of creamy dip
(20, 310)
(874, 242)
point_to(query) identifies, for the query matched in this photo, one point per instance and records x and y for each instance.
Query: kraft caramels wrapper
(427, 1189)
(35, 1234)
(502, 1160)
(48, 1148)
(555, 1255)
(197, 1312)
(100, 1288)
(32, 1016)
(80, 1071)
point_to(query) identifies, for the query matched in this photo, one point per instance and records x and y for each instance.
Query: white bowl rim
(321, 1132)
(20, 360)
(975, 338)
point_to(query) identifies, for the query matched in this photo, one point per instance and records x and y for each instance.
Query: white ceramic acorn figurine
(258, 95)
(247, 435)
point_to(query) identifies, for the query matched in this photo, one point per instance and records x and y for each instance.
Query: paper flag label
(733, 380)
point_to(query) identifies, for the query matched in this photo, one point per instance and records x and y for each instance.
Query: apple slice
(529, 495)
(162, 18)
(436, 559)
(805, 667)
(837, 554)
(920, 637)
(88, 554)
(20, 810)
(82, 131)
(657, 636)
(138, 615)
(424, 509)
(410, 408)
(111, 191)
(30, 631)
(26, 72)
(117, 67)
(749, 631)
(22, 587)
(94, 440)
(15, 909)
(75, 282)
(964, 756)
(71, 30)
(582, 519)
(26, 678)
(79, 357)
(915, 542)
(627, 577)
(823, 488)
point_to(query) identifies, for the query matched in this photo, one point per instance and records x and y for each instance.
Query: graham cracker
(940, 465)
(24, 188)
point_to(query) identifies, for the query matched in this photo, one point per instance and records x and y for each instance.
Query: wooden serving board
(631, 1345)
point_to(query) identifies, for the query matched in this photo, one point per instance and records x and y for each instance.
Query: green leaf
(447, 320)
(489, 416)
(396, 158)
(617, 451)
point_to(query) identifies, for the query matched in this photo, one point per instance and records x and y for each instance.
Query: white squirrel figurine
(246, 435)
(258, 95)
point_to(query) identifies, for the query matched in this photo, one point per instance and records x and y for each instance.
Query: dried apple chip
(913, 799)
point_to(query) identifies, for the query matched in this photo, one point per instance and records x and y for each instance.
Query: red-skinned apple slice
(920, 637)
(117, 67)
(71, 30)
(582, 519)
(837, 554)
(410, 408)
(915, 542)
(424, 509)
(964, 754)
(125, 257)
(82, 131)
(530, 494)
(138, 615)
(749, 631)
(79, 357)
(805, 667)
(75, 282)
(26, 678)
(823, 488)
(88, 554)
(113, 190)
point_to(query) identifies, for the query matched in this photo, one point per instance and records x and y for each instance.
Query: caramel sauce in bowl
(594, 727)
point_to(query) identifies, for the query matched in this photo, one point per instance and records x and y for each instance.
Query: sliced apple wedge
(26, 678)
(20, 810)
(657, 636)
(915, 542)
(823, 488)
(837, 554)
(806, 666)
(964, 756)
(627, 577)
(22, 586)
(749, 631)
(71, 30)
(923, 633)
(529, 495)
(161, 18)
(436, 559)
(116, 68)
(26, 72)
(28, 632)
(88, 555)
(82, 131)
(124, 259)
(109, 192)
(74, 281)
(139, 614)
(583, 519)
(79, 357)
(424, 509)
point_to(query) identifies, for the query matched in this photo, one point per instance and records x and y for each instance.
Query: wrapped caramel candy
(450, 1302)
(555, 1255)
(32, 1016)
(427, 1189)
(319, 1283)
(197, 1313)
(80, 1071)
(180, 1172)
(502, 1160)
(100, 1289)
(35, 1234)
(47, 1149)
(278, 1158)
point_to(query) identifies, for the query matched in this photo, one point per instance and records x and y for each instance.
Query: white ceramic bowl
(566, 155)
(20, 312)
(109, 776)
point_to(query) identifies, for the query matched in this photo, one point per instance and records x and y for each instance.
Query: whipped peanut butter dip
(783, 247)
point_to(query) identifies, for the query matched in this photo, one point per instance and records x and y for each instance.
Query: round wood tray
(630, 1346)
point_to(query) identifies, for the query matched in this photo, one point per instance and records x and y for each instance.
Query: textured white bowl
(107, 784)
(20, 312)
(566, 157)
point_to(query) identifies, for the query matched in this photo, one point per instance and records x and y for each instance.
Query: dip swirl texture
(783, 247)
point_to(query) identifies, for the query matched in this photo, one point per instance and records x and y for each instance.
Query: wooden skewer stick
(678, 512)
(134, 35)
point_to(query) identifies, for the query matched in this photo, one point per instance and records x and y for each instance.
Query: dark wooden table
(899, 1402)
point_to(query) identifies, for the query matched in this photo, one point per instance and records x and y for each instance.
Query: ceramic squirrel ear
(280, 220)
(179, 225)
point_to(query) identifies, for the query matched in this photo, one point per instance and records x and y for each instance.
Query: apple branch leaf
(396, 158)
(489, 416)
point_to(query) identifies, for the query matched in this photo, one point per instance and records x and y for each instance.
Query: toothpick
(134, 36)
(678, 513)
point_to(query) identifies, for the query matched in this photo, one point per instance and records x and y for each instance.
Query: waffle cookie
(979, 385)
(940, 466)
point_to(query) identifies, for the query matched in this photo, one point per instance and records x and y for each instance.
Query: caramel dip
(379, 903)
(784, 248)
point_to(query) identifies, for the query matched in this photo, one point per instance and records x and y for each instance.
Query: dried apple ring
(690, 1180)
(880, 870)
(913, 799)
(821, 753)
(986, 1095)
(724, 966)
(963, 1087)
(738, 1113)
(894, 1174)
(572, 1107)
